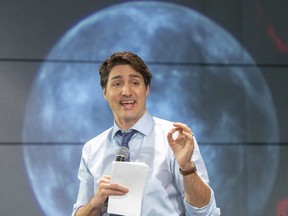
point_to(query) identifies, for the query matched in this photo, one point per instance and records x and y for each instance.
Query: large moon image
(198, 80)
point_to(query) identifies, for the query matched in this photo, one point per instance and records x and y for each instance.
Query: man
(173, 185)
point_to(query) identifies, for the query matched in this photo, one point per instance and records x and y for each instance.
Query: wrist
(188, 170)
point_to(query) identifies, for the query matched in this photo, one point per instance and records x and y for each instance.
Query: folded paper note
(132, 176)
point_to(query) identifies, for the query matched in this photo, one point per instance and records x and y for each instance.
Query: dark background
(30, 28)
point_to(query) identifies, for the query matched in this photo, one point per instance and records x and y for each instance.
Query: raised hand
(181, 141)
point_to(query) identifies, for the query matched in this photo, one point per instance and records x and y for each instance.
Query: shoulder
(95, 146)
(101, 136)
(162, 124)
(98, 140)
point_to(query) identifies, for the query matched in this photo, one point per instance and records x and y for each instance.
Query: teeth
(127, 102)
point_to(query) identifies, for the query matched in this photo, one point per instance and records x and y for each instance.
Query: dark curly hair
(124, 58)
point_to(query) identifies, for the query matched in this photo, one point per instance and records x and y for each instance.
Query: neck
(126, 124)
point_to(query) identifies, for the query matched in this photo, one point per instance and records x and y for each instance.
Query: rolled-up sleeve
(86, 187)
(208, 210)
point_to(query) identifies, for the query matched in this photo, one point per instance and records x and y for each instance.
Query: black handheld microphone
(122, 155)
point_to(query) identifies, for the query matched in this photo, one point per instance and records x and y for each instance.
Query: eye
(135, 83)
(116, 84)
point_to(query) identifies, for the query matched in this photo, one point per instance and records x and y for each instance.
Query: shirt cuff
(76, 207)
(210, 209)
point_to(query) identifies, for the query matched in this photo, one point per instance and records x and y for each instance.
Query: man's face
(126, 94)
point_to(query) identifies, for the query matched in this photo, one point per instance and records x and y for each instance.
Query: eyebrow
(130, 76)
(135, 76)
(116, 77)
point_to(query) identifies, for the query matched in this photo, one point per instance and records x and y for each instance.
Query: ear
(105, 93)
(147, 90)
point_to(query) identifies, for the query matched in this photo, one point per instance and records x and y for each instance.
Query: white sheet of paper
(133, 176)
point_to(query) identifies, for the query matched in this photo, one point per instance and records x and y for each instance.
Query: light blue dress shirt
(163, 192)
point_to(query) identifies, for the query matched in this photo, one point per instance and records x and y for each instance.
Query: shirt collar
(144, 125)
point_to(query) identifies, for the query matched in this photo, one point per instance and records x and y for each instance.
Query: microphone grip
(120, 158)
(122, 155)
(106, 202)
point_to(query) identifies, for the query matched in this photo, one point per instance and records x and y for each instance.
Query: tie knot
(126, 136)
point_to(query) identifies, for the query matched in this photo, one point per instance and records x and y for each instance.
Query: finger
(182, 126)
(104, 180)
(170, 134)
(169, 137)
(173, 130)
(107, 177)
(119, 188)
(106, 190)
(188, 135)
(114, 190)
(106, 184)
(174, 134)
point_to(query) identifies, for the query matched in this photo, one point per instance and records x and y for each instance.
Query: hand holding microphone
(122, 155)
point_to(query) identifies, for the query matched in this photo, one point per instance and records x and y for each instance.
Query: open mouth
(127, 103)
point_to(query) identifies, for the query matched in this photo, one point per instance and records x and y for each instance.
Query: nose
(126, 90)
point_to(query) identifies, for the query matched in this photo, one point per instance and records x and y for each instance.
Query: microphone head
(122, 154)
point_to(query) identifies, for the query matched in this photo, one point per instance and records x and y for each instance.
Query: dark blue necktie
(126, 138)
